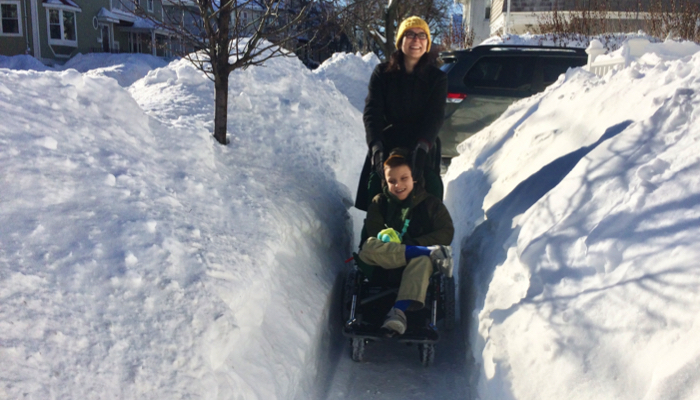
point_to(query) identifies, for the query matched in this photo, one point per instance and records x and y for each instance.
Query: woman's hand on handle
(378, 158)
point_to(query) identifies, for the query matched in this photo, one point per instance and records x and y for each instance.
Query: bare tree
(221, 36)
(457, 37)
(371, 24)
(359, 22)
(594, 19)
(678, 19)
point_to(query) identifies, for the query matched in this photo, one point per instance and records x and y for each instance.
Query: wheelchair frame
(365, 304)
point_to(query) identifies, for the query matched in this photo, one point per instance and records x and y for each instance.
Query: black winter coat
(400, 110)
(430, 222)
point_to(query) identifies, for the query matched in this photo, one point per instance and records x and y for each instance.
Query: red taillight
(455, 97)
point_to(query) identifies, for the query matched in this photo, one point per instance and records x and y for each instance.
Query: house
(55, 30)
(476, 17)
(490, 17)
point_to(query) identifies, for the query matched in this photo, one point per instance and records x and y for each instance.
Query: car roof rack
(511, 47)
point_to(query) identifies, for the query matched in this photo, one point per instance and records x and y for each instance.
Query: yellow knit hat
(412, 22)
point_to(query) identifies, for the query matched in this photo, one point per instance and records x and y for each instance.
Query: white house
(491, 17)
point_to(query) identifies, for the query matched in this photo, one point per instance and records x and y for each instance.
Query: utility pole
(507, 24)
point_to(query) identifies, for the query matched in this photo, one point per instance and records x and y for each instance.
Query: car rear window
(552, 67)
(504, 72)
(449, 63)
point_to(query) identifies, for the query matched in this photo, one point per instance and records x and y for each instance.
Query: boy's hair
(398, 157)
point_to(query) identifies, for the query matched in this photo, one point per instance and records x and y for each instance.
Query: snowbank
(350, 73)
(125, 68)
(140, 259)
(583, 271)
(22, 62)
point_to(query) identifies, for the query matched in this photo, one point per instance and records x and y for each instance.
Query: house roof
(104, 15)
(62, 4)
(123, 15)
(144, 25)
(184, 3)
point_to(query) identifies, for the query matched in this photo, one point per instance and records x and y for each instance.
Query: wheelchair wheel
(348, 291)
(427, 354)
(358, 349)
(450, 304)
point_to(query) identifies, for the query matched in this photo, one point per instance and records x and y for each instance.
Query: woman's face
(414, 47)
(400, 181)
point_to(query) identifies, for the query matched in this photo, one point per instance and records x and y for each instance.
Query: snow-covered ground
(140, 259)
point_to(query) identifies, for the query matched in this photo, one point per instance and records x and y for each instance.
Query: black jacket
(400, 110)
(430, 222)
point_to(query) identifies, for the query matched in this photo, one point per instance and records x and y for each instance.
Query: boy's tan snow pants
(416, 276)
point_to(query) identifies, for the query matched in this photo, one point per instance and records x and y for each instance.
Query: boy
(416, 231)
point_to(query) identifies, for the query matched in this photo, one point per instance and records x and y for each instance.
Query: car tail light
(456, 97)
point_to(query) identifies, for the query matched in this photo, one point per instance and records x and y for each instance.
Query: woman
(405, 107)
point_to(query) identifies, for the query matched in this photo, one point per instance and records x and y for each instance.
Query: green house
(53, 31)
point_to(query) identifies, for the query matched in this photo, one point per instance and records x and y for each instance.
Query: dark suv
(483, 81)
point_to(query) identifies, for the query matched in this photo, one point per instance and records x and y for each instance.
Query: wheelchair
(368, 294)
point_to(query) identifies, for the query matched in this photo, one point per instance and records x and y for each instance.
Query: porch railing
(632, 49)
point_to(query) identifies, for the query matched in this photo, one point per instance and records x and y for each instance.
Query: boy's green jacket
(430, 222)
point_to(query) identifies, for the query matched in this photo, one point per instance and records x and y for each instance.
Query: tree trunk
(222, 70)
(221, 107)
(390, 19)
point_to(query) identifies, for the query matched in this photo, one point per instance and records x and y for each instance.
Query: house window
(122, 5)
(11, 19)
(487, 11)
(149, 5)
(62, 28)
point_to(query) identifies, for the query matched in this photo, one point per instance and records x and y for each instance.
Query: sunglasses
(412, 35)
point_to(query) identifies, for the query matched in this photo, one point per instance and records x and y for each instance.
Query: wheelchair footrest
(415, 335)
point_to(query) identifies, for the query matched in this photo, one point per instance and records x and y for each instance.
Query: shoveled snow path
(392, 370)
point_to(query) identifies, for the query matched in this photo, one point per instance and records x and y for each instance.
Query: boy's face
(400, 181)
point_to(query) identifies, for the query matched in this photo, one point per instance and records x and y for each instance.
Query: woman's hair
(396, 61)
(399, 156)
